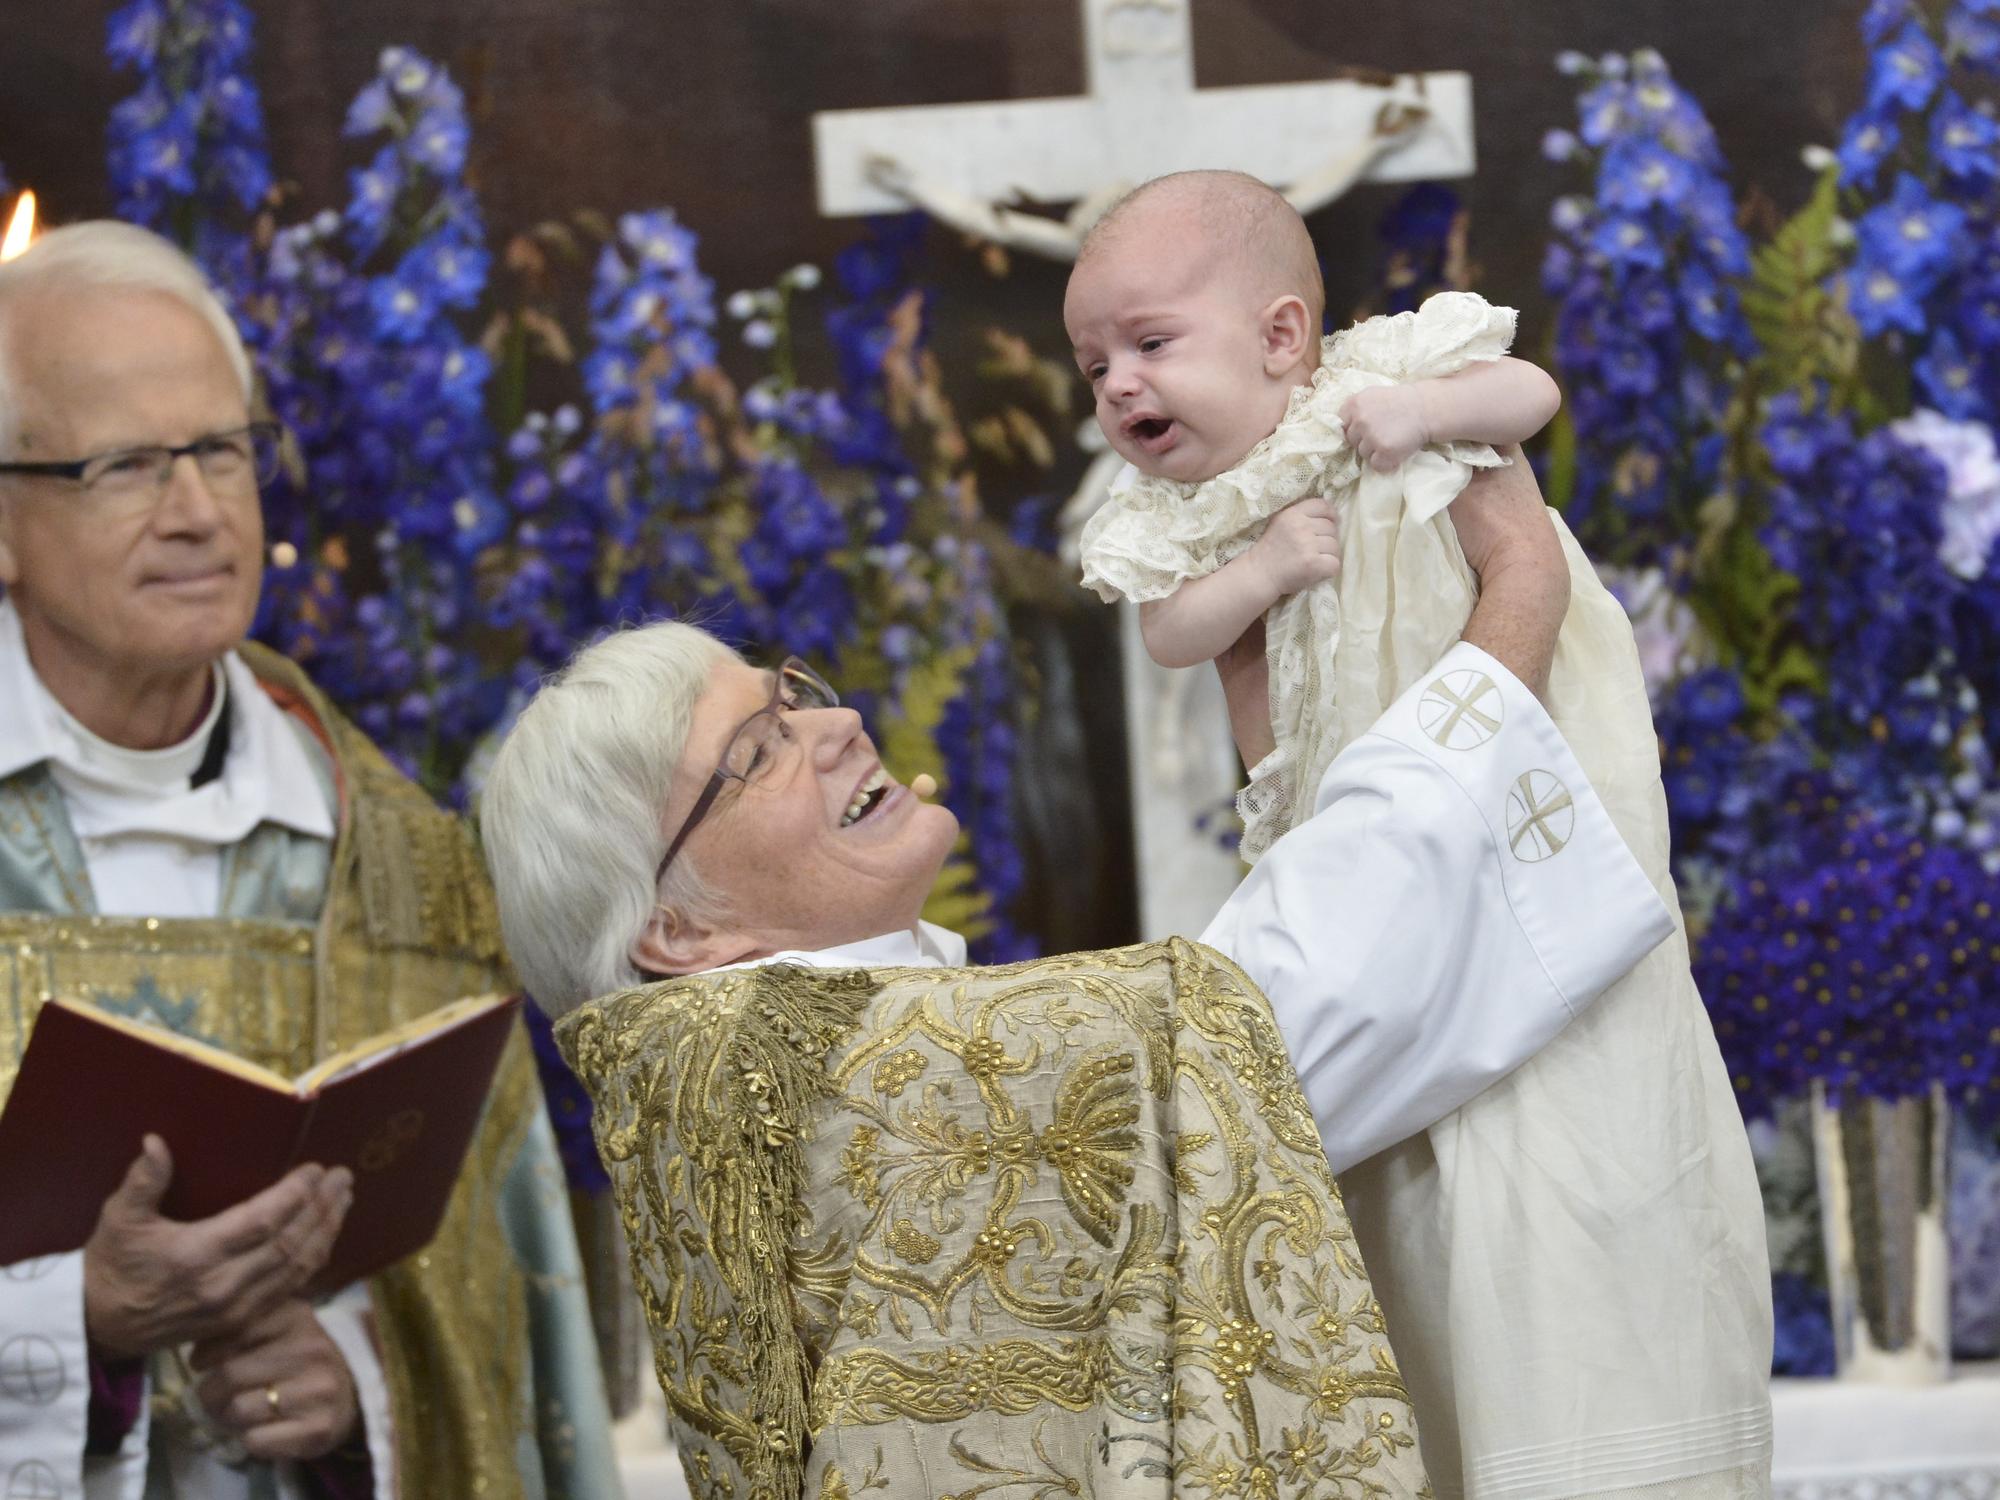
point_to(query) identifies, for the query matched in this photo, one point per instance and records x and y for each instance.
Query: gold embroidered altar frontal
(1058, 1228)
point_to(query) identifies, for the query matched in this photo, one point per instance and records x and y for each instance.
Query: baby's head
(1194, 309)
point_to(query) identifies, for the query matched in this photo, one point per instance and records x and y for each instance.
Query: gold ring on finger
(273, 1401)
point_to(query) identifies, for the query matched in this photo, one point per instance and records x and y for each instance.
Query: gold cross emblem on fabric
(1541, 816)
(1461, 710)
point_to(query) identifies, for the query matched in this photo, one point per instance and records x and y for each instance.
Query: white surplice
(153, 847)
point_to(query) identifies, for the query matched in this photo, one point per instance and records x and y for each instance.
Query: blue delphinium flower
(372, 194)
(1972, 34)
(1856, 956)
(373, 110)
(187, 150)
(402, 308)
(1950, 376)
(1913, 234)
(386, 396)
(1866, 143)
(439, 141)
(1830, 767)
(1639, 174)
(135, 34)
(1977, 314)
(450, 271)
(1882, 299)
(1925, 249)
(1963, 140)
(1882, 19)
(1907, 71)
(1628, 243)
(1644, 271)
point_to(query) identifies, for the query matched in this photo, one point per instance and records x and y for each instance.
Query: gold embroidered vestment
(1058, 1228)
(407, 925)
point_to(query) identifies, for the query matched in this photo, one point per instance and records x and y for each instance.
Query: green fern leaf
(1805, 331)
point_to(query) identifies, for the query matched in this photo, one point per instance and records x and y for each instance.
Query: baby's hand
(1386, 424)
(1299, 548)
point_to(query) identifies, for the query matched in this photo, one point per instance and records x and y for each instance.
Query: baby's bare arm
(1500, 402)
(1206, 616)
(1246, 689)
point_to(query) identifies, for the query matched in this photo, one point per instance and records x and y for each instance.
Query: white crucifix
(1142, 117)
(977, 166)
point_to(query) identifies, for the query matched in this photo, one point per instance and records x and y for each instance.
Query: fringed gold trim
(719, 1121)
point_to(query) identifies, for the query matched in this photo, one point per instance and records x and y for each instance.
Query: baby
(1572, 1266)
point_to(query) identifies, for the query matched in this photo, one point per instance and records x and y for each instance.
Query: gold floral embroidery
(1090, 1140)
(1085, 1190)
(1239, 1347)
(894, 1073)
(913, 1244)
(1013, 1376)
(857, 1166)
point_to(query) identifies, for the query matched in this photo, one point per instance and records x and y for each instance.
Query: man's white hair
(571, 812)
(105, 255)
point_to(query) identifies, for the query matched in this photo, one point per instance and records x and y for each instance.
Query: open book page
(172, 1041)
(393, 1043)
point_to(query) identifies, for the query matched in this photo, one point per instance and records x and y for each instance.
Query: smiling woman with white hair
(569, 812)
(900, 1222)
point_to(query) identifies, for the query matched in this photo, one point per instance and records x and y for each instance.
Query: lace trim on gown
(1155, 534)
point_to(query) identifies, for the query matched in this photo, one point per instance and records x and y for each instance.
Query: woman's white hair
(571, 812)
(105, 254)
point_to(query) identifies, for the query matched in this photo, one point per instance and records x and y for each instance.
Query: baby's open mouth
(1151, 429)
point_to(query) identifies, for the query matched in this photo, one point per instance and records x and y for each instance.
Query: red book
(399, 1111)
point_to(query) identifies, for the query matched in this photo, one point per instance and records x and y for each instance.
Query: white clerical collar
(111, 791)
(926, 946)
(157, 773)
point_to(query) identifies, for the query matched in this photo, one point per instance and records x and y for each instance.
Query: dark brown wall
(621, 104)
(629, 103)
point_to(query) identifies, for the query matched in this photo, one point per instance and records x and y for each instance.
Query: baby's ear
(1285, 327)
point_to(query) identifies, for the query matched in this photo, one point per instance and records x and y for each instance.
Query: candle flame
(20, 228)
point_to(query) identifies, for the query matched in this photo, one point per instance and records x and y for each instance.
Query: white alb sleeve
(1457, 897)
(45, 1388)
(349, 1320)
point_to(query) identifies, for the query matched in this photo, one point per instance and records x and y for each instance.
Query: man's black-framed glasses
(758, 745)
(229, 462)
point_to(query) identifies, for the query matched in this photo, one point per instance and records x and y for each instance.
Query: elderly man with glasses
(1066, 1227)
(190, 835)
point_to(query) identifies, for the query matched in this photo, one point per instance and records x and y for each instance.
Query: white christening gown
(1573, 1265)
